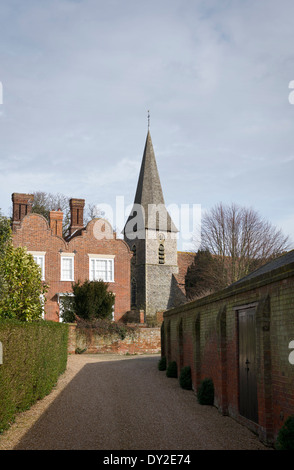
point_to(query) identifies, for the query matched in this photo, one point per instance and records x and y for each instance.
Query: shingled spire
(149, 195)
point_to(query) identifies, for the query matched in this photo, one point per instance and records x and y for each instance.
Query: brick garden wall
(204, 335)
(143, 341)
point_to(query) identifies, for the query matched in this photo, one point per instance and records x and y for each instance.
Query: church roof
(149, 195)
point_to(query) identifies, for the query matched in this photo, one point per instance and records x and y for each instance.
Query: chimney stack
(22, 205)
(55, 220)
(77, 214)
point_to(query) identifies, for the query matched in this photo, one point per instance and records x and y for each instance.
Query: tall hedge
(34, 355)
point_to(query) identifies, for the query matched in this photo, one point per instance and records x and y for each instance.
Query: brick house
(84, 254)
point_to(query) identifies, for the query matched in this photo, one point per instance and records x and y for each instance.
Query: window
(39, 258)
(101, 269)
(161, 254)
(67, 268)
(60, 297)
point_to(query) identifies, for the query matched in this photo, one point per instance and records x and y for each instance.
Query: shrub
(21, 285)
(205, 392)
(105, 327)
(162, 363)
(91, 300)
(80, 350)
(172, 370)
(185, 378)
(285, 439)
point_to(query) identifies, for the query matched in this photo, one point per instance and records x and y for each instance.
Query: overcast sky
(79, 76)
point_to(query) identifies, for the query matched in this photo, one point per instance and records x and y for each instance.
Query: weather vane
(148, 119)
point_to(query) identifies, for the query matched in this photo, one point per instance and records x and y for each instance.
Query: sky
(79, 76)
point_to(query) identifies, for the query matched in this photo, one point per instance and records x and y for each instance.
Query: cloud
(79, 76)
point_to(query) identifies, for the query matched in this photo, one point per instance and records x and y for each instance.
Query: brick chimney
(22, 205)
(77, 214)
(55, 221)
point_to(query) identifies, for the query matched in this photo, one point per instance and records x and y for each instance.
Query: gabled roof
(149, 194)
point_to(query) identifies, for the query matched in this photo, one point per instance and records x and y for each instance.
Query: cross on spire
(148, 119)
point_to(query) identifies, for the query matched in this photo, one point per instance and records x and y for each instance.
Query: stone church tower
(152, 237)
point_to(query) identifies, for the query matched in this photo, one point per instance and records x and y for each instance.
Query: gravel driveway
(109, 402)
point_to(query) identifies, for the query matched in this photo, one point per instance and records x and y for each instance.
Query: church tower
(152, 237)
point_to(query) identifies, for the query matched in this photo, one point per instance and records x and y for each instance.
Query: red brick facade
(45, 240)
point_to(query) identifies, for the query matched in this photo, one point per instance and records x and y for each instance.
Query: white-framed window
(60, 296)
(39, 258)
(101, 267)
(67, 267)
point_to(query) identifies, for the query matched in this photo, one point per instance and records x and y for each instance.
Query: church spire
(149, 189)
(149, 192)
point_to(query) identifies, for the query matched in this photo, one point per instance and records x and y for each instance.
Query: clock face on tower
(161, 236)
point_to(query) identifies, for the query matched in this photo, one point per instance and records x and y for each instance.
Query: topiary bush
(205, 393)
(285, 439)
(185, 378)
(162, 363)
(172, 370)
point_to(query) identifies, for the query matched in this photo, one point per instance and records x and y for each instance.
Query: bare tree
(240, 239)
(93, 212)
(203, 276)
(46, 202)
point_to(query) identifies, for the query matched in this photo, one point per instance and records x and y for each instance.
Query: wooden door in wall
(247, 364)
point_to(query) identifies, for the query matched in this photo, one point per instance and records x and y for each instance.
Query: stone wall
(143, 341)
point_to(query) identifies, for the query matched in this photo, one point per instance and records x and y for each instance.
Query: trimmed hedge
(34, 355)
(285, 439)
(205, 393)
(162, 363)
(172, 370)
